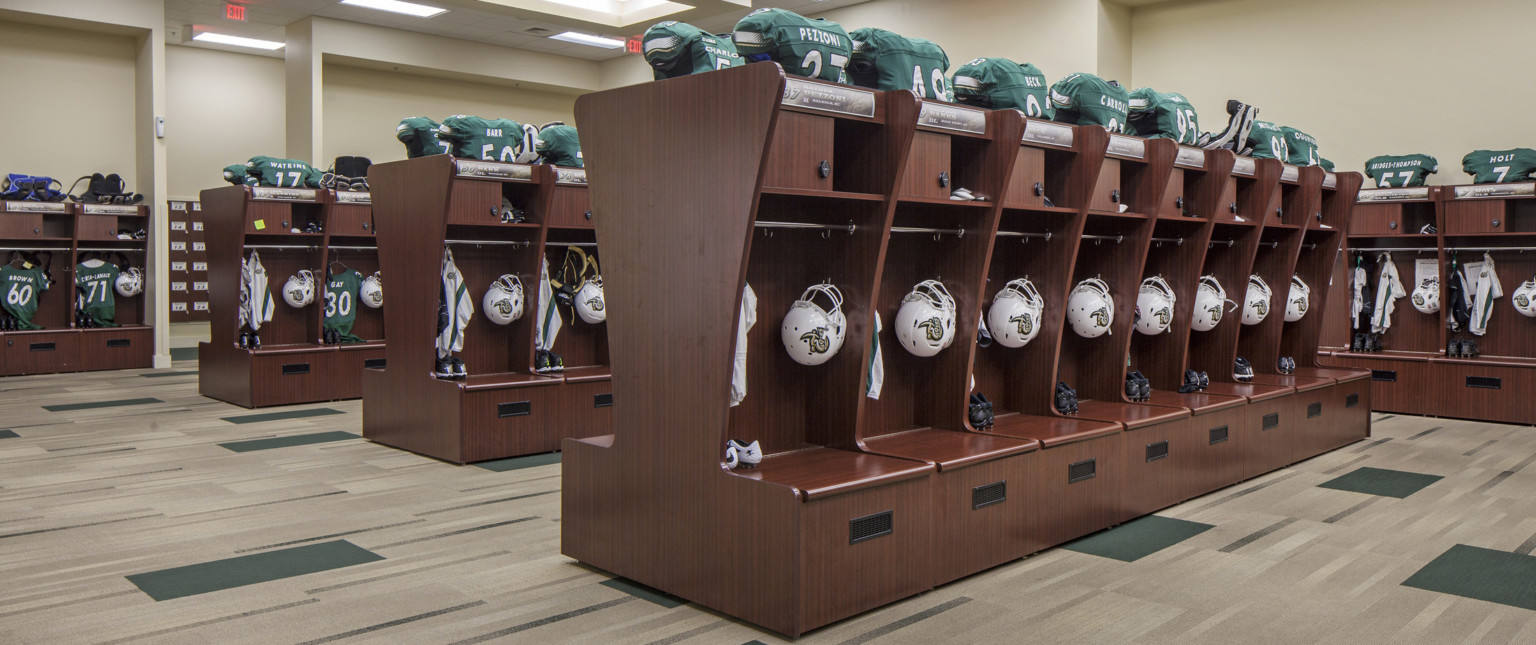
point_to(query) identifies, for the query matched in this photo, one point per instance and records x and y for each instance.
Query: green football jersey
(1085, 99)
(1398, 171)
(22, 287)
(999, 83)
(1326, 164)
(419, 134)
(472, 137)
(95, 280)
(816, 48)
(1268, 141)
(886, 60)
(1302, 148)
(559, 146)
(235, 174)
(678, 49)
(282, 173)
(341, 303)
(1499, 166)
(1158, 115)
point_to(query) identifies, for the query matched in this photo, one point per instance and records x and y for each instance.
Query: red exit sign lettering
(632, 45)
(234, 12)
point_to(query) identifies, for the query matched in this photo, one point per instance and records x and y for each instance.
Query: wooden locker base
(273, 375)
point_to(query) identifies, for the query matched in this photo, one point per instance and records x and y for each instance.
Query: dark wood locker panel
(116, 349)
(800, 155)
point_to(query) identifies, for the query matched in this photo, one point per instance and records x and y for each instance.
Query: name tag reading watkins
(829, 98)
(494, 170)
(952, 117)
(283, 194)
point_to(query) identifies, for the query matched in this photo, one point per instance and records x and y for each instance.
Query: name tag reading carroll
(493, 170)
(1126, 147)
(829, 98)
(952, 117)
(1047, 133)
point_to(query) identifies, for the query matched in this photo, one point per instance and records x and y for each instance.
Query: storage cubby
(852, 490)
(1479, 210)
(1396, 211)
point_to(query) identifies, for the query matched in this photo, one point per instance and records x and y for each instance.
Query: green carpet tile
(67, 407)
(168, 373)
(279, 416)
(288, 441)
(1483, 574)
(251, 569)
(1377, 481)
(7, 434)
(1138, 538)
(183, 353)
(643, 592)
(519, 463)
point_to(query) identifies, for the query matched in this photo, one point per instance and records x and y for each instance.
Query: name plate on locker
(493, 170)
(1243, 166)
(1190, 157)
(1045, 132)
(199, 266)
(37, 207)
(111, 209)
(829, 98)
(952, 117)
(1289, 173)
(1330, 180)
(179, 266)
(1495, 190)
(1126, 147)
(178, 226)
(268, 193)
(571, 176)
(1392, 194)
(178, 306)
(353, 197)
(199, 306)
(178, 206)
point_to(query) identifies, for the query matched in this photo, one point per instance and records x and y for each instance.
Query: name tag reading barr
(494, 170)
(829, 98)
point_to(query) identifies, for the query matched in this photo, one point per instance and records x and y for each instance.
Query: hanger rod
(334, 247)
(1416, 249)
(1110, 238)
(95, 249)
(1045, 236)
(570, 244)
(281, 246)
(517, 243)
(958, 232)
(1170, 240)
(806, 225)
(38, 248)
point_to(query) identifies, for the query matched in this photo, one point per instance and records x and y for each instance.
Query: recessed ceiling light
(589, 39)
(237, 41)
(396, 6)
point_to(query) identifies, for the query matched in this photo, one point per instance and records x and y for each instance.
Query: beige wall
(1366, 77)
(223, 108)
(363, 106)
(60, 132)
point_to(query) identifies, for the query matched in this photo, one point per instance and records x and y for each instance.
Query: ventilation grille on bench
(1314, 409)
(1156, 451)
(1271, 420)
(602, 400)
(295, 369)
(374, 363)
(1352, 400)
(993, 493)
(870, 527)
(119, 342)
(1389, 376)
(1218, 434)
(514, 409)
(1486, 382)
(1082, 470)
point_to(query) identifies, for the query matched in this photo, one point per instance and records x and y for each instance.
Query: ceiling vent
(538, 31)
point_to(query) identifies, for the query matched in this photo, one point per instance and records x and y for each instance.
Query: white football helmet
(1210, 303)
(1426, 296)
(299, 291)
(589, 301)
(811, 333)
(372, 291)
(1256, 303)
(1155, 306)
(130, 283)
(1299, 300)
(1524, 298)
(503, 302)
(925, 323)
(1090, 308)
(1016, 314)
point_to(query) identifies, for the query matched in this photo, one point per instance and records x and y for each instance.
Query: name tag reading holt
(493, 170)
(952, 117)
(829, 98)
(1495, 190)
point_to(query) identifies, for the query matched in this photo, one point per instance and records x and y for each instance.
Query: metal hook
(826, 234)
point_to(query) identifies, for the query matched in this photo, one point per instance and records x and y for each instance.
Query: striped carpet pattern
(120, 488)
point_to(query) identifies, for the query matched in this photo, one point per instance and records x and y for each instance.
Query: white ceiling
(466, 20)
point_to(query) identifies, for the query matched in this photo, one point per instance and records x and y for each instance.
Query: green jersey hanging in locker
(1267, 141)
(816, 48)
(472, 137)
(22, 287)
(1499, 166)
(678, 49)
(886, 60)
(341, 304)
(419, 134)
(1085, 99)
(95, 280)
(1301, 147)
(1158, 115)
(1399, 171)
(999, 83)
(282, 173)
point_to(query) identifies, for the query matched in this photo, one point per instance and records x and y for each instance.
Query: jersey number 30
(338, 304)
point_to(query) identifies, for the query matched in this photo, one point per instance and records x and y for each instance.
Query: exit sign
(632, 45)
(234, 12)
